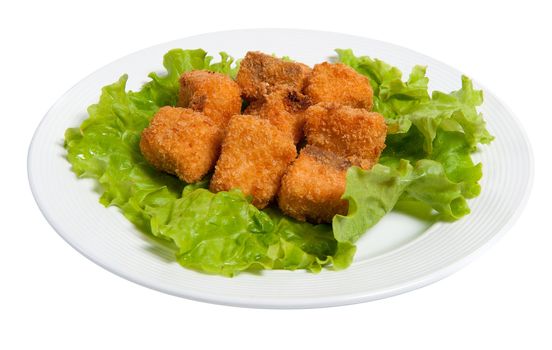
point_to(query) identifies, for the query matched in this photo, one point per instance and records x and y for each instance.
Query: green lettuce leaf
(223, 234)
(426, 166)
(372, 194)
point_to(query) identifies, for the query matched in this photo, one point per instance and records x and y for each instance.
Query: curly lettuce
(223, 233)
(427, 161)
(426, 164)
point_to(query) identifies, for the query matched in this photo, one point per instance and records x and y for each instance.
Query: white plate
(398, 255)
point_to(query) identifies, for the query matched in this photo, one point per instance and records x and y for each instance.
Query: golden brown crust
(257, 152)
(254, 156)
(336, 82)
(312, 187)
(284, 108)
(182, 142)
(214, 94)
(259, 73)
(353, 133)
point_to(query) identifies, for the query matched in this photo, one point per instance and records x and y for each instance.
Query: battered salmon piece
(353, 133)
(312, 187)
(336, 82)
(254, 157)
(260, 73)
(214, 94)
(284, 108)
(182, 142)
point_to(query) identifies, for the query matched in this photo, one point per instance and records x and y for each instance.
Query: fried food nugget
(336, 82)
(182, 142)
(313, 185)
(260, 73)
(254, 157)
(214, 94)
(353, 133)
(284, 108)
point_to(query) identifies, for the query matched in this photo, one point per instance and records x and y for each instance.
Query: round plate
(398, 255)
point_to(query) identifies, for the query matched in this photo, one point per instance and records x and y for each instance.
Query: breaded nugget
(353, 133)
(284, 108)
(182, 142)
(336, 82)
(214, 94)
(260, 73)
(313, 185)
(254, 156)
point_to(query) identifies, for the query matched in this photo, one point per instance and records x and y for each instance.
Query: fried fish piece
(353, 133)
(259, 73)
(336, 82)
(254, 157)
(182, 142)
(284, 108)
(312, 187)
(214, 94)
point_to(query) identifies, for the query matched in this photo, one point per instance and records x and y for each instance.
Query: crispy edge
(181, 142)
(254, 157)
(336, 82)
(354, 133)
(260, 73)
(312, 187)
(214, 94)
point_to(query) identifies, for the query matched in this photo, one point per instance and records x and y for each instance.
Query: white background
(52, 297)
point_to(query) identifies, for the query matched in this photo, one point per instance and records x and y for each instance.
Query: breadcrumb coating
(284, 108)
(326, 107)
(254, 156)
(259, 73)
(182, 142)
(336, 82)
(353, 133)
(214, 94)
(312, 187)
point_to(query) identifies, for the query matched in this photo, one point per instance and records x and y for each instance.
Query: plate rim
(292, 302)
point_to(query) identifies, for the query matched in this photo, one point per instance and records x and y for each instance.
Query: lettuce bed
(426, 166)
